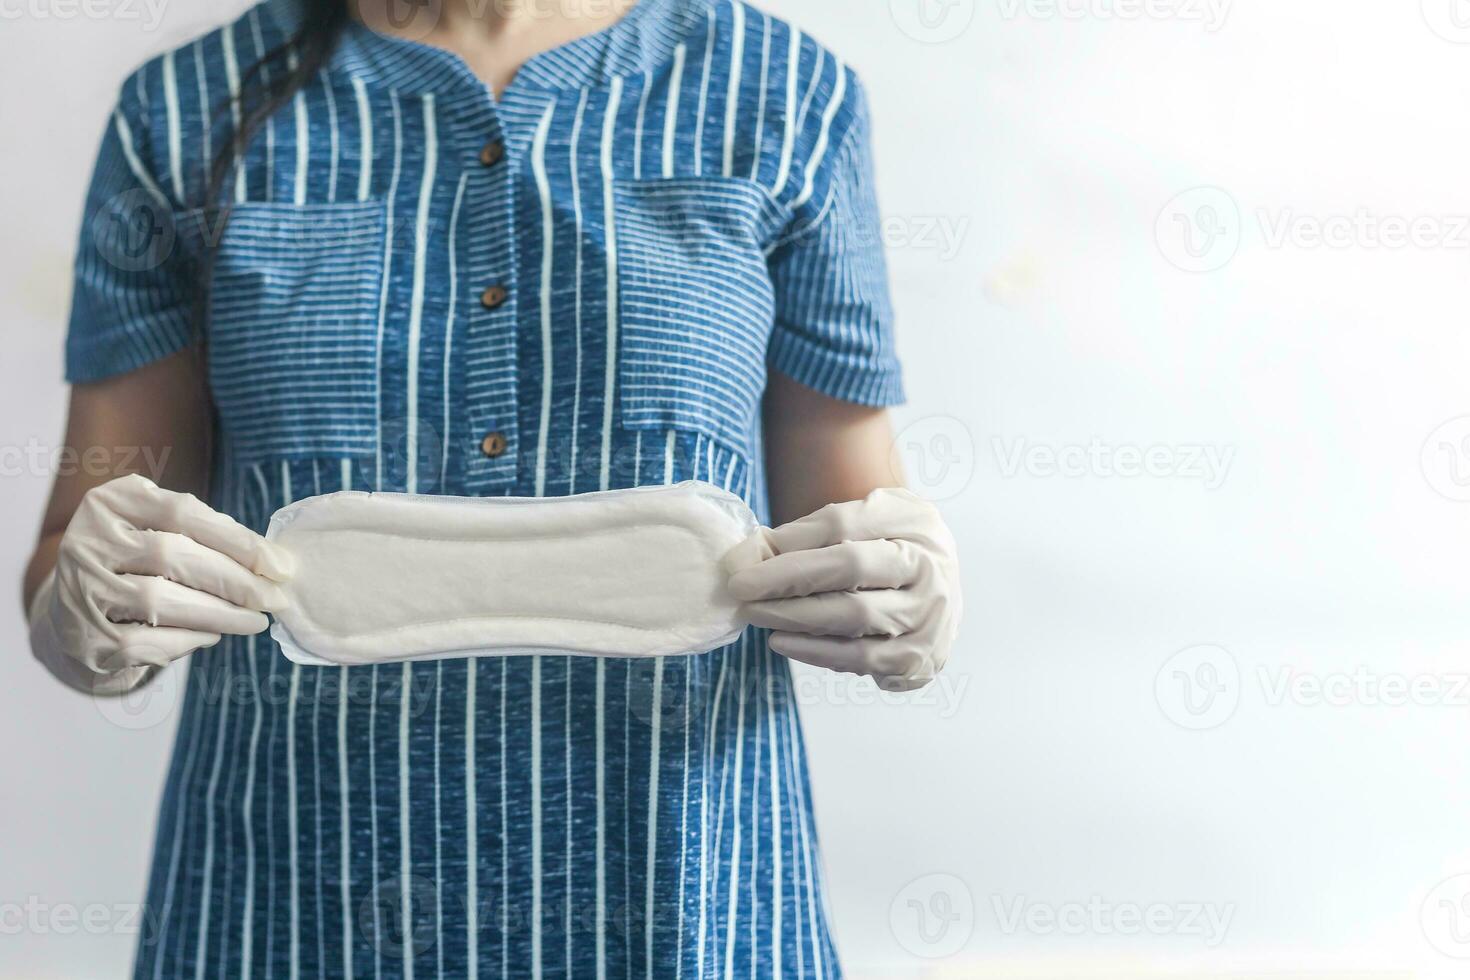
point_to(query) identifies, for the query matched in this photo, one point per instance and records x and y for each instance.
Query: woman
(502, 252)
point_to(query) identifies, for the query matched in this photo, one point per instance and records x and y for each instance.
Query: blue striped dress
(576, 286)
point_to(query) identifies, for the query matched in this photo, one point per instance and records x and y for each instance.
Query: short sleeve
(834, 319)
(132, 290)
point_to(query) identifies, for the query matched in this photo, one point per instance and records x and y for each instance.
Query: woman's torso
(545, 814)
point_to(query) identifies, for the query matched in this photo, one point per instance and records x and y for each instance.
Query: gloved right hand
(145, 576)
(867, 586)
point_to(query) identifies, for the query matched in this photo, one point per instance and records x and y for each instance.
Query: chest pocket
(695, 305)
(293, 329)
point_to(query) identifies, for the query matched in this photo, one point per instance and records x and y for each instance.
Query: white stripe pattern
(661, 250)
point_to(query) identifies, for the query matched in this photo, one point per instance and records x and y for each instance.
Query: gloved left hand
(869, 587)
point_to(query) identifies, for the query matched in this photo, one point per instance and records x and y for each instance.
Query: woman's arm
(821, 450)
(154, 421)
(129, 576)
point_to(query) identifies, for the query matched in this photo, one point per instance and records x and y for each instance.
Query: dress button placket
(490, 443)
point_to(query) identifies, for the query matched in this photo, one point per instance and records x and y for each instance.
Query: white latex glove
(867, 587)
(145, 576)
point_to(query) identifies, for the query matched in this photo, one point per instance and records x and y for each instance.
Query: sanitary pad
(385, 577)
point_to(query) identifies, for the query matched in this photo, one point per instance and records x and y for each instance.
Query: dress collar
(642, 40)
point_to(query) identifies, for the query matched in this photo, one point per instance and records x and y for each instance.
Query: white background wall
(1066, 760)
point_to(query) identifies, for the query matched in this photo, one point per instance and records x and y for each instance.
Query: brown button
(493, 445)
(493, 297)
(492, 153)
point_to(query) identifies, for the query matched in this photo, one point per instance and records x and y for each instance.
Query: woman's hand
(867, 587)
(145, 576)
